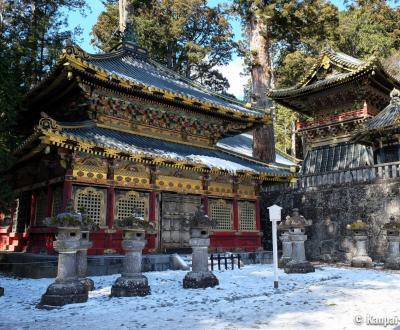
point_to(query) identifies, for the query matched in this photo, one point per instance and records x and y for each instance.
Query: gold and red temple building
(117, 132)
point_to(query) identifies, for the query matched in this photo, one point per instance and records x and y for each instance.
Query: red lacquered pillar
(151, 238)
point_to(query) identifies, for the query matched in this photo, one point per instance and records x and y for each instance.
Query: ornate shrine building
(335, 100)
(348, 133)
(118, 132)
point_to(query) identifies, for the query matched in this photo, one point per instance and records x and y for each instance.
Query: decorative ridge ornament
(395, 95)
(48, 123)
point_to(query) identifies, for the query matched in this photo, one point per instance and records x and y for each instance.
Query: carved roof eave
(52, 135)
(371, 69)
(367, 136)
(75, 62)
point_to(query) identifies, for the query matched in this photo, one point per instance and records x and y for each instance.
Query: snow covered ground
(330, 298)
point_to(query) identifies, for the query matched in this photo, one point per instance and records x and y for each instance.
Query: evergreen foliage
(187, 36)
(32, 33)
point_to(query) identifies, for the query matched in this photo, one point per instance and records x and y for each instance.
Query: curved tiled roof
(353, 68)
(388, 117)
(130, 62)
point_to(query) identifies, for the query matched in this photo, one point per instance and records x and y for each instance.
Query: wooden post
(151, 238)
(32, 214)
(258, 215)
(235, 214)
(204, 201)
(67, 188)
(110, 206)
(49, 200)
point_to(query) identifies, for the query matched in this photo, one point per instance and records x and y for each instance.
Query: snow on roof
(243, 144)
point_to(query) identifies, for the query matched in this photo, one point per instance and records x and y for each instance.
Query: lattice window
(57, 200)
(247, 216)
(41, 207)
(92, 201)
(129, 202)
(221, 211)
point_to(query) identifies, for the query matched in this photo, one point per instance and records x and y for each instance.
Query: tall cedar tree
(32, 33)
(186, 35)
(255, 21)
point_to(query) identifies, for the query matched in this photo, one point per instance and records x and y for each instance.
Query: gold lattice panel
(57, 200)
(41, 207)
(128, 202)
(92, 201)
(222, 212)
(247, 216)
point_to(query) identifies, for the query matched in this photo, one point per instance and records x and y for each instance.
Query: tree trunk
(263, 137)
(293, 139)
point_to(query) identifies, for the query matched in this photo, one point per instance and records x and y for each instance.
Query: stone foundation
(130, 287)
(200, 280)
(60, 294)
(331, 208)
(87, 283)
(294, 267)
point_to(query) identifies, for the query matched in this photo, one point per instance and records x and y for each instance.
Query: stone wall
(332, 207)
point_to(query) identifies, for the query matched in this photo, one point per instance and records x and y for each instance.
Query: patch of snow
(330, 298)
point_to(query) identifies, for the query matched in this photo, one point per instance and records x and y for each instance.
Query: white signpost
(274, 217)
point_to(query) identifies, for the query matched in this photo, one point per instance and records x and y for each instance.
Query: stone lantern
(359, 230)
(81, 255)
(66, 289)
(132, 282)
(295, 226)
(286, 245)
(393, 236)
(200, 276)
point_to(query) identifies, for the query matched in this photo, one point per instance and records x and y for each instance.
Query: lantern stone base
(283, 262)
(299, 267)
(200, 280)
(88, 283)
(361, 262)
(1, 291)
(130, 287)
(392, 263)
(60, 294)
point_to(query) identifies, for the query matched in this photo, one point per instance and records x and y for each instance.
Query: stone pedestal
(81, 260)
(66, 289)
(286, 249)
(132, 282)
(361, 258)
(200, 276)
(298, 264)
(392, 260)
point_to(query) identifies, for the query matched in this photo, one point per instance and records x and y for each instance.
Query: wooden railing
(333, 119)
(366, 174)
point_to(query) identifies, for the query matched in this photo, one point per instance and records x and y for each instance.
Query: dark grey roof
(127, 63)
(243, 144)
(388, 117)
(339, 157)
(130, 143)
